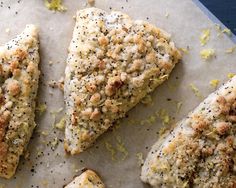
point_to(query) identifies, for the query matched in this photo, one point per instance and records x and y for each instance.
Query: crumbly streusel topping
(113, 63)
(18, 87)
(200, 150)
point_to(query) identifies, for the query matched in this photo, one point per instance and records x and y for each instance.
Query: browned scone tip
(88, 179)
(19, 75)
(113, 63)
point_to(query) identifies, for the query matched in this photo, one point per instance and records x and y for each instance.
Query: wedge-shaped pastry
(87, 179)
(19, 75)
(201, 150)
(113, 63)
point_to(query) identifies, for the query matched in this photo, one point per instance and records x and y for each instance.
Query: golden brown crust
(19, 82)
(113, 63)
(88, 179)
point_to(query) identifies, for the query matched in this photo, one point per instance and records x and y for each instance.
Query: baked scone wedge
(201, 150)
(88, 179)
(19, 76)
(113, 63)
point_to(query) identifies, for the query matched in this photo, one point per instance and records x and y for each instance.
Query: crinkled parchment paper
(136, 133)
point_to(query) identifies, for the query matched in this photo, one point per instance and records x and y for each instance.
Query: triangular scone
(19, 75)
(201, 150)
(87, 179)
(113, 63)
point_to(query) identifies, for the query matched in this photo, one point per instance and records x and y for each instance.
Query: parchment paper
(185, 22)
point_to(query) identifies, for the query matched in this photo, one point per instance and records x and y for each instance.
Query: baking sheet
(183, 19)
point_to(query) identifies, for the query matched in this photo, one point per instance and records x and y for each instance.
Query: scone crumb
(91, 2)
(7, 30)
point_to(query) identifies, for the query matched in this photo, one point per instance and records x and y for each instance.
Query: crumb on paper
(41, 108)
(227, 31)
(61, 124)
(120, 146)
(44, 133)
(205, 36)
(162, 131)
(207, 54)
(55, 5)
(7, 30)
(185, 50)
(230, 50)
(54, 143)
(111, 150)
(167, 14)
(214, 83)
(140, 159)
(57, 84)
(50, 62)
(147, 100)
(91, 2)
(44, 182)
(26, 155)
(230, 75)
(195, 90)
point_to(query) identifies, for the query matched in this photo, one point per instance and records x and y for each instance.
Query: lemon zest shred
(227, 31)
(230, 75)
(178, 106)
(184, 50)
(55, 5)
(112, 150)
(205, 36)
(162, 131)
(140, 159)
(120, 146)
(207, 54)
(164, 116)
(214, 83)
(230, 50)
(147, 100)
(61, 124)
(195, 90)
(41, 108)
